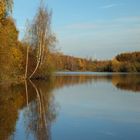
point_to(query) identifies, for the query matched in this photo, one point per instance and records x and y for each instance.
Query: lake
(72, 106)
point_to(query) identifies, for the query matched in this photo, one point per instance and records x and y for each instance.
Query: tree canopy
(6, 8)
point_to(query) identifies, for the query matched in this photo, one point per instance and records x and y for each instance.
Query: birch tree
(41, 36)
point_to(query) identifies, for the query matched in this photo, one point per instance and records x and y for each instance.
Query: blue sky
(89, 28)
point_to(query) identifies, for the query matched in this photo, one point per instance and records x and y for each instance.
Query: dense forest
(125, 62)
(36, 57)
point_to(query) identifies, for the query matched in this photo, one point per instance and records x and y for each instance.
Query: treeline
(69, 63)
(125, 62)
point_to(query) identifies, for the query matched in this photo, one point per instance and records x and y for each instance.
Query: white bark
(27, 60)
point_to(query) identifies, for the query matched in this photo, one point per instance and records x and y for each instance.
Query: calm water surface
(72, 106)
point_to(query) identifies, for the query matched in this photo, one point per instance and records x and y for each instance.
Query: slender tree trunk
(39, 100)
(36, 68)
(27, 60)
(38, 62)
(26, 88)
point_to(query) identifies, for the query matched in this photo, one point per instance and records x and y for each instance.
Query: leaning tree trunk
(40, 29)
(41, 36)
(27, 60)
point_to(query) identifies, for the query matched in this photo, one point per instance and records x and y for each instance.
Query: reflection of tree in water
(121, 81)
(41, 112)
(10, 101)
(127, 82)
(60, 81)
(38, 101)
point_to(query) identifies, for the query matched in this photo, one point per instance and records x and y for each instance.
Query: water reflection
(127, 82)
(37, 103)
(11, 100)
(41, 113)
(121, 81)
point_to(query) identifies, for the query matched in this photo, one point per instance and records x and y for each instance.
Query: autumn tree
(6, 7)
(2, 9)
(41, 37)
(9, 6)
(11, 56)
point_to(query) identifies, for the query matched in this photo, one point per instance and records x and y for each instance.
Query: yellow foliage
(2, 9)
(17, 57)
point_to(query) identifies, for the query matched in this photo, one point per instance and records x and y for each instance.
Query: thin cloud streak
(122, 22)
(108, 6)
(81, 26)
